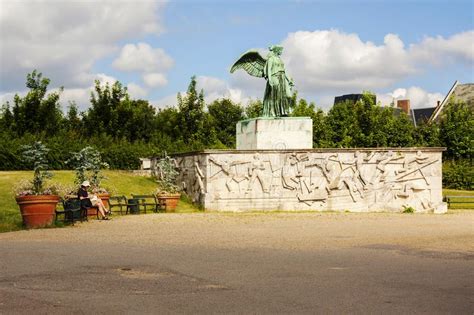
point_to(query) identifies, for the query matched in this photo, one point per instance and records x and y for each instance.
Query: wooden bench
(119, 202)
(459, 199)
(71, 211)
(149, 202)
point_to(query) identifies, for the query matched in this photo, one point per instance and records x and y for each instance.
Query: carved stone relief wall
(352, 180)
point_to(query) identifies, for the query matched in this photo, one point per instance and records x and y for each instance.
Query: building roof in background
(419, 115)
(461, 92)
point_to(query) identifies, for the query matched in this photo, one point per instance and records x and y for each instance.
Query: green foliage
(224, 116)
(166, 174)
(320, 130)
(88, 164)
(36, 112)
(458, 174)
(457, 129)
(427, 135)
(123, 129)
(366, 124)
(254, 109)
(35, 155)
(408, 209)
(191, 113)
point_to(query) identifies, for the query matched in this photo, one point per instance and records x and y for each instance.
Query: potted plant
(166, 175)
(88, 165)
(36, 201)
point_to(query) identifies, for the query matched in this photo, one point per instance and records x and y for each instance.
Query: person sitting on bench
(91, 201)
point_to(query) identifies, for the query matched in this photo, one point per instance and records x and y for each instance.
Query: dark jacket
(85, 203)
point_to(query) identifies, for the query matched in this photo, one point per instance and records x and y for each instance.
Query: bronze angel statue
(278, 92)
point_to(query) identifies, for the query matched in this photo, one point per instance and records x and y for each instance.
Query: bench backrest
(145, 198)
(118, 200)
(71, 204)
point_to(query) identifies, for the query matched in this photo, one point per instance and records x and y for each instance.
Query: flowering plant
(166, 175)
(36, 155)
(88, 165)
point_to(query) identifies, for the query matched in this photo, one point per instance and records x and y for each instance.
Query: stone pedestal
(356, 180)
(276, 133)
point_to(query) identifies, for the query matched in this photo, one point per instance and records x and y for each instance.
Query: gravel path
(257, 262)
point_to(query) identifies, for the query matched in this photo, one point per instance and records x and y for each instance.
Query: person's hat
(85, 183)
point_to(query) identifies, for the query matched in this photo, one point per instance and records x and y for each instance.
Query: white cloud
(439, 50)
(143, 58)
(155, 79)
(337, 61)
(136, 91)
(167, 101)
(215, 88)
(419, 98)
(63, 39)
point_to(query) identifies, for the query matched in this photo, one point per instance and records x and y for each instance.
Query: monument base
(275, 133)
(356, 180)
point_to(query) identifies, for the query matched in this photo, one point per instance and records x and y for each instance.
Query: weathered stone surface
(358, 180)
(290, 133)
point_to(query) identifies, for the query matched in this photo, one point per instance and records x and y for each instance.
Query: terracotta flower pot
(37, 211)
(170, 200)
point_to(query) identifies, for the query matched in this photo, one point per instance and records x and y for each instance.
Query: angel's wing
(252, 62)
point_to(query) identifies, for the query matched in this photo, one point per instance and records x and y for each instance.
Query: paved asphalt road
(262, 263)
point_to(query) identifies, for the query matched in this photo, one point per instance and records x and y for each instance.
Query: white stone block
(356, 180)
(441, 208)
(279, 133)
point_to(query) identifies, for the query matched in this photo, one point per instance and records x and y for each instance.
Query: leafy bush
(408, 209)
(458, 174)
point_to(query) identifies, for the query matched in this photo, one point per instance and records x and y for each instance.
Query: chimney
(404, 105)
(437, 105)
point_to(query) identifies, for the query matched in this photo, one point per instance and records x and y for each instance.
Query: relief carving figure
(290, 173)
(360, 158)
(256, 171)
(199, 175)
(382, 161)
(335, 179)
(229, 169)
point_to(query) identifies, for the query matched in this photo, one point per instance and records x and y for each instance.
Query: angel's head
(277, 49)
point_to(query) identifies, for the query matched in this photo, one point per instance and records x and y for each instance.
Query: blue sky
(397, 49)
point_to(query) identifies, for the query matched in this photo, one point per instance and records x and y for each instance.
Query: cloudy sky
(398, 49)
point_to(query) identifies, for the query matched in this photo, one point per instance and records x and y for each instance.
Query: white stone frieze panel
(321, 179)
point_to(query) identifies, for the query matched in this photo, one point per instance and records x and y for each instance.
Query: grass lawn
(120, 182)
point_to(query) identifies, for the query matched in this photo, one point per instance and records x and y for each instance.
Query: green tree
(342, 125)
(320, 131)
(191, 114)
(102, 115)
(224, 116)
(73, 122)
(37, 112)
(456, 130)
(254, 109)
(6, 118)
(426, 134)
